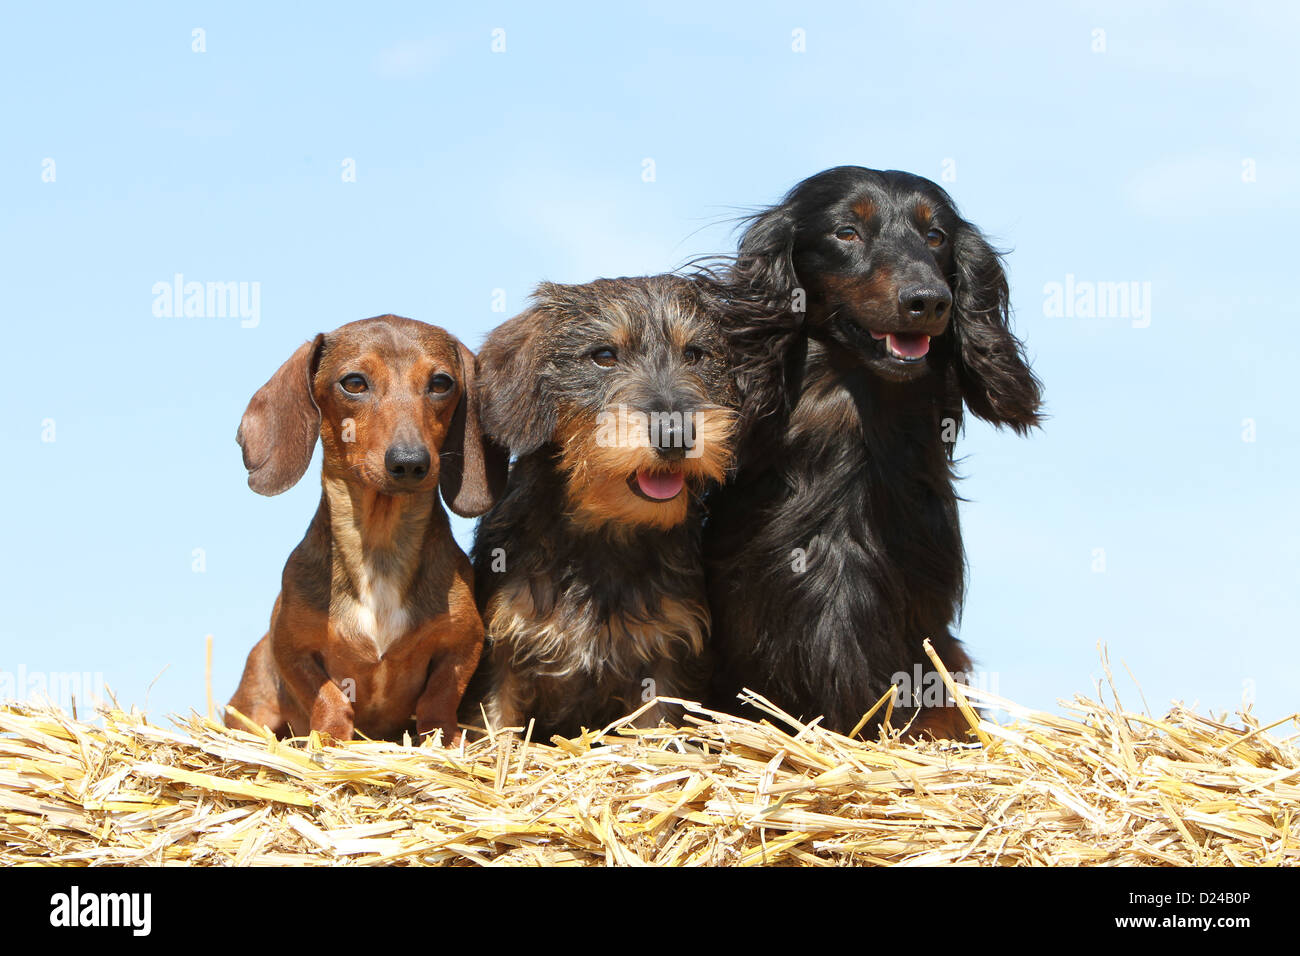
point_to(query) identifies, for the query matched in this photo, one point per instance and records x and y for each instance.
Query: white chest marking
(380, 613)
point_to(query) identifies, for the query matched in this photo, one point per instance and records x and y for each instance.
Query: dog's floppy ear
(765, 346)
(281, 424)
(765, 260)
(472, 468)
(994, 376)
(515, 407)
(760, 318)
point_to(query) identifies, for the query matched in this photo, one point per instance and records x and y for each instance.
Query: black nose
(670, 437)
(407, 462)
(920, 303)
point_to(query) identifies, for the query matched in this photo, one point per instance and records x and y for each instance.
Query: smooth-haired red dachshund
(375, 629)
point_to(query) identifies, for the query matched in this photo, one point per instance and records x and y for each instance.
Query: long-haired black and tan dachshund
(617, 399)
(866, 312)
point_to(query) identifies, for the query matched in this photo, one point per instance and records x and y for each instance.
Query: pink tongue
(908, 344)
(660, 485)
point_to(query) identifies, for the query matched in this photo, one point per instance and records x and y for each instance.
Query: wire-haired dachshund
(617, 397)
(864, 311)
(375, 628)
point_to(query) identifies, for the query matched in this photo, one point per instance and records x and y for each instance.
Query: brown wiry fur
(597, 472)
(593, 593)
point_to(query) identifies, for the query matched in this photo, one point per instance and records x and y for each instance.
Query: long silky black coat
(836, 549)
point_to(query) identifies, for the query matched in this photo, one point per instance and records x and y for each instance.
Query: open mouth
(657, 485)
(908, 347)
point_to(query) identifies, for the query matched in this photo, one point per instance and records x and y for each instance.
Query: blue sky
(1161, 151)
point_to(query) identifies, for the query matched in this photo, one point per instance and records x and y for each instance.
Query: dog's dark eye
(441, 384)
(354, 384)
(692, 354)
(935, 238)
(847, 234)
(605, 358)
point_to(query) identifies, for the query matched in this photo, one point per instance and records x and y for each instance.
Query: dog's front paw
(333, 719)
